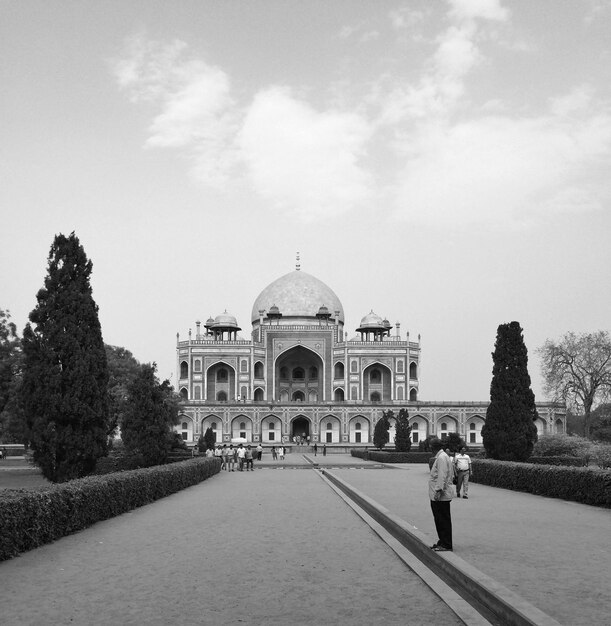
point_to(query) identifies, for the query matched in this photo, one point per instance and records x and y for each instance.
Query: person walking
(218, 453)
(274, 454)
(462, 462)
(440, 495)
(259, 452)
(281, 453)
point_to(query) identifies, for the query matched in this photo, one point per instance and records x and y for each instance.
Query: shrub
(29, 519)
(361, 454)
(563, 445)
(601, 455)
(586, 485)
(571, 461)
(398, 457)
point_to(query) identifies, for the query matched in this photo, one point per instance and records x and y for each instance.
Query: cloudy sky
(444, 163)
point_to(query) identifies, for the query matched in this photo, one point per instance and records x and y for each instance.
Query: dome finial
(298, 265)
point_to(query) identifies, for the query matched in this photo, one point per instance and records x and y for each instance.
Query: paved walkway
(277, 546)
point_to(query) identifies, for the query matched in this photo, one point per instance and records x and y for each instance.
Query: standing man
(315, 449)
(241, 457)
(440, 494)
(259, 452)
(249, 458)
(463, 472)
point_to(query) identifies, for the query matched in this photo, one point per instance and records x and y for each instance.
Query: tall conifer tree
(65, 374)
(510, 433)
(150, 413)
(380, 430)
(403, 432)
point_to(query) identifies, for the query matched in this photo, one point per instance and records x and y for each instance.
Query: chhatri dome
(298, 295)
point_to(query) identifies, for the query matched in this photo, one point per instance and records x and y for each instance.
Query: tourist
(224, 457)
(462, 461)
(218, 453)
(315, 449)
(230, 458)
(281, 453)
(241, 456)
(324, 449)
(209, 452)
(248, 456)
(259, 452)
(274, 454)
(440, 494)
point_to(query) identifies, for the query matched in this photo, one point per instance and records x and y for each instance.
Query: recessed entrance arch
(298, 376)
(300, 427)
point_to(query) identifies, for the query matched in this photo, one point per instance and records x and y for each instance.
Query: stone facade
(300, 376)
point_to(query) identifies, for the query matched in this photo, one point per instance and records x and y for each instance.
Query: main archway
(301, 427)
(299, 376)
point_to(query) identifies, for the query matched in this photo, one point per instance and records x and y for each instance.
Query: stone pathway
(277, 546)
(262, 547)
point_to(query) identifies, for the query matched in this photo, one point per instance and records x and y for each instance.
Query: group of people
(238, 457)
(444, 471)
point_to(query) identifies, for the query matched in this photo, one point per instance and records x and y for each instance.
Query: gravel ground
(264, 547)
(555, 554)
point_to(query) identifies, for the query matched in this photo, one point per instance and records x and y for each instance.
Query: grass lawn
(21, 475)
(22, 479)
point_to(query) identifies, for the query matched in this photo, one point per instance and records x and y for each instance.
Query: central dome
(297, 294)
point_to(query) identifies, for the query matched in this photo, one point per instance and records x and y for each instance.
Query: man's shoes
(439, 548)
(457, 495)
(466, 497)
(435, 545)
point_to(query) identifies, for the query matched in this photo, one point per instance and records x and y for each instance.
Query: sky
(445, 164)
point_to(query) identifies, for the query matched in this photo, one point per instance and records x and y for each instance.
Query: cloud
(425, 148)
(303, 159)
(504, 170)
(478, 9)
(197, 110)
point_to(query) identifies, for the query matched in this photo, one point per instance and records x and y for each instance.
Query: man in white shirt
(241, 457)
(463, 470)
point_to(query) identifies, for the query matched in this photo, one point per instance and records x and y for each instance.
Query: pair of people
(245, 458)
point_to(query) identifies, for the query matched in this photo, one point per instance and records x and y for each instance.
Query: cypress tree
(209, 438)
(150, 413)
(509, 433)
(65, 375)
(380, 431)
(403, 433)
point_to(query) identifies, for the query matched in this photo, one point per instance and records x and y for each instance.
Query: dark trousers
(443, 521)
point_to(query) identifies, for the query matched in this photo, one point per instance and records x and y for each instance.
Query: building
(299, 376)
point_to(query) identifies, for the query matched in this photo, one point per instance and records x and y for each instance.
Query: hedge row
(391, 456)
(29, 519)
(571, 461)
(580, 484)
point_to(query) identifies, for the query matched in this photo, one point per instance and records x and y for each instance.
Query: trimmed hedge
(586, 485)
(29, 519)
(381, 456)
(571, 461)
